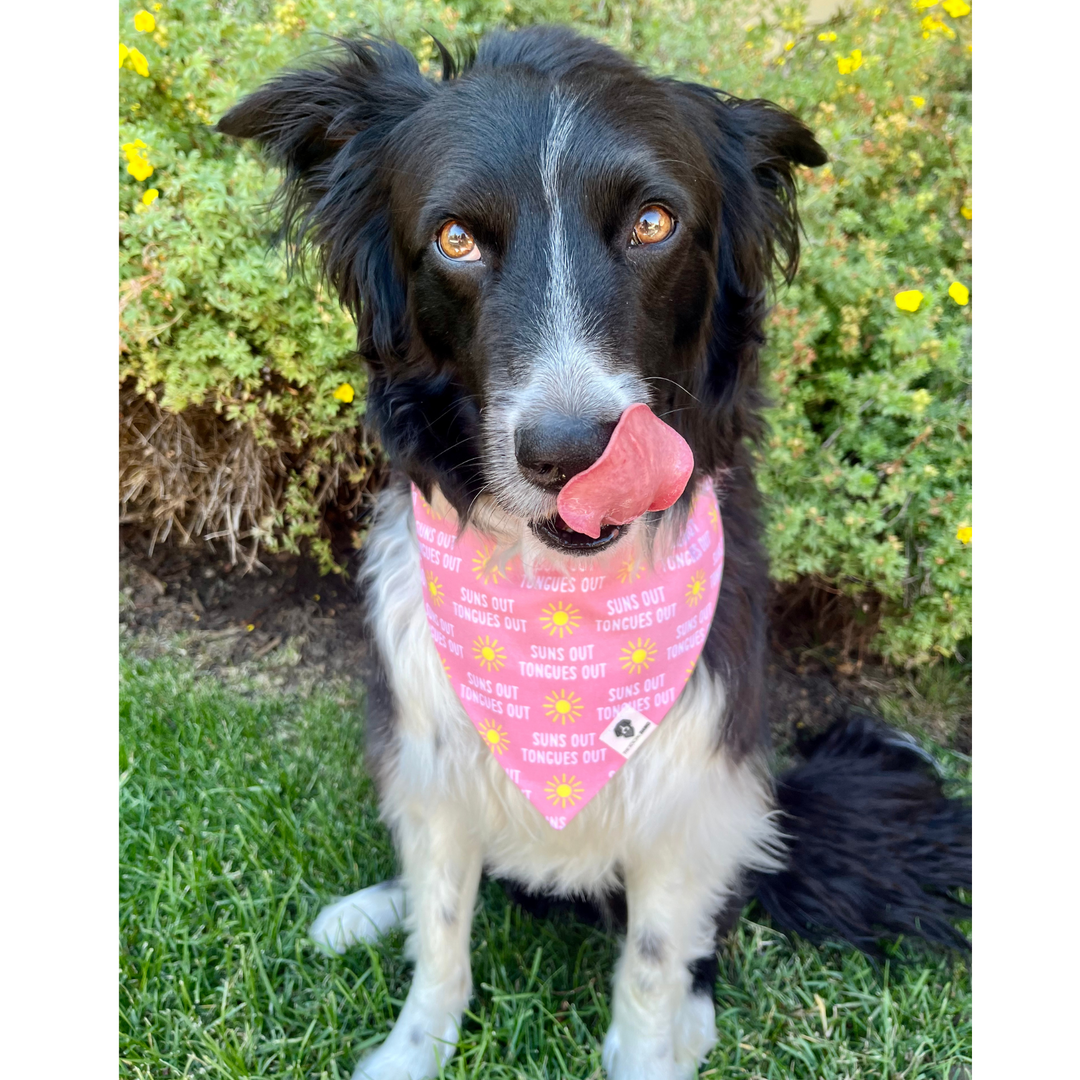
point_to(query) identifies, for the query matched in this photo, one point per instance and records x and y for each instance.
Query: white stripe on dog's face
(569, 367)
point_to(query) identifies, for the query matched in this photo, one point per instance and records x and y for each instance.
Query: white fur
(568, 369)
(678, 822)
(364, 916)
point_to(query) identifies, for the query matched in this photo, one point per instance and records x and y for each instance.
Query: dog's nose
(557, 447)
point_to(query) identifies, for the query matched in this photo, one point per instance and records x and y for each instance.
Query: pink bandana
(567, 674)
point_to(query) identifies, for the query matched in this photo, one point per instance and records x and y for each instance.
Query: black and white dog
(537, 241)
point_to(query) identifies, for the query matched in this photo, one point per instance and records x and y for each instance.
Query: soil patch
(286, 626)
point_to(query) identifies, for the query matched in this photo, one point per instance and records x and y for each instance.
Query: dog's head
(533, 244)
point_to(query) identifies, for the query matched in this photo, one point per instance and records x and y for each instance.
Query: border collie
(536, 241)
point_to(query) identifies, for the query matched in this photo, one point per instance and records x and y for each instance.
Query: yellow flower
(156, 7)
(966, 211)
(847, 64)
(149, 196)
(138, 62)
(123, 53)
(922, 5)
(931, 25)
(140, 168)
(138, 163)
(144, 22)
(917, 101)
(963, 534)
(829, 35)
(788, 46)
(959, 293)
(345, 393)
(920, 399)
(564, 792)
(250, 627)
(909, 300)
(957, 8)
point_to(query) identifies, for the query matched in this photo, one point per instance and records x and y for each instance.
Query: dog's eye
(457, 243)
(654, 224)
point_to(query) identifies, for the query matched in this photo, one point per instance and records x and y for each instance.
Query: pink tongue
(645, 466)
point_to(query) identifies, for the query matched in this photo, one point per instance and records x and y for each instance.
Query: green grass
(243, 811)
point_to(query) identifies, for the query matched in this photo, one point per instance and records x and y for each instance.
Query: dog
(531, 244)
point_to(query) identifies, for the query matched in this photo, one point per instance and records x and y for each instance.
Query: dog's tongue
(645, 466)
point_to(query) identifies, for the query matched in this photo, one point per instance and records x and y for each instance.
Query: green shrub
(867, 466)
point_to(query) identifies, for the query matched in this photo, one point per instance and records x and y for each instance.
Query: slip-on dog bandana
(566, 675)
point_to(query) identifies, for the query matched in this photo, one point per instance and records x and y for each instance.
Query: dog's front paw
(412, 1051)
(631, 1054)
(695, 1032)
(364, 916)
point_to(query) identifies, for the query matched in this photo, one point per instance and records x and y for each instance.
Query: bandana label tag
(627, 731)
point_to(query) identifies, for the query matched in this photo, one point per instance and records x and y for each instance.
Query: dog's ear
(326, 128)
(772, 142)
(754, 147)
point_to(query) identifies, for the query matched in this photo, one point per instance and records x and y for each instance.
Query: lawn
(244, 809)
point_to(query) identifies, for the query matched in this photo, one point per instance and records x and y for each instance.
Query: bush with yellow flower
(230, 365)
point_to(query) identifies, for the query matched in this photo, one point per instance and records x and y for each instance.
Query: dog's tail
(875, 849)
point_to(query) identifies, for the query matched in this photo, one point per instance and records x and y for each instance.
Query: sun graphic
(563, 705)
(489, 652)
(714, 516)
(637, 658)
(429, 509)
(630, 570)
(485, 566)
(435, 590)
(689, 672)
(564, 792)
(559, 618)
(446, 667)
(695, 589)
(497, 740)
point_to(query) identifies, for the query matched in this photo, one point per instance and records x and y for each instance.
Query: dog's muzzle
(551, 451)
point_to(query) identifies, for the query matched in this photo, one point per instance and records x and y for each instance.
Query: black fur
(877, 850)
(343, 131)
(376, 157)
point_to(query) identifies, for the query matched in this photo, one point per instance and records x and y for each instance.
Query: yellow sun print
(435, 590)
(563, 705)
(695, 589)
(496, 739)
(564, 792)
(490, 653)
(559, 618)
(630, 570)
(428, 508)
(486, 567)
(637, 658)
